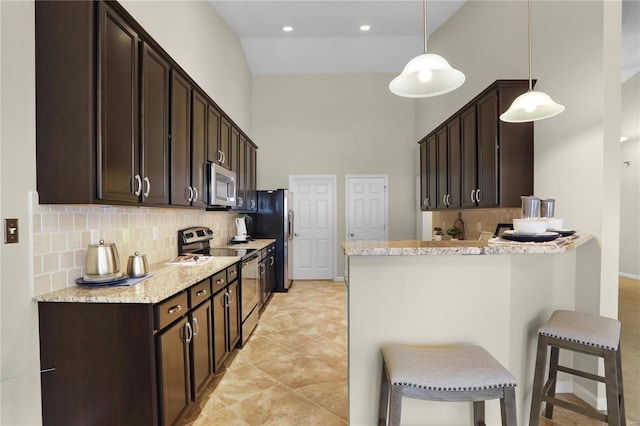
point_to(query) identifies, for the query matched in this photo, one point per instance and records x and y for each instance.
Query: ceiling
(326, 37)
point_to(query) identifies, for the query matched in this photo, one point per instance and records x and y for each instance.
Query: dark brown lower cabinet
(226, 323)
(173, 366)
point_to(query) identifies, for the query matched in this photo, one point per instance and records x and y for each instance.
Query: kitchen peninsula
(494, 294)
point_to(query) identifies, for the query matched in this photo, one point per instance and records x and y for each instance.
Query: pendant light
(427, 74)
(532, 105)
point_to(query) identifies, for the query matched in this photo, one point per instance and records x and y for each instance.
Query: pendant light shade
(427, 74)
(532, 105)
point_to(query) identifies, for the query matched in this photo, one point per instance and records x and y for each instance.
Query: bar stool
(444, 373)
(584, 333)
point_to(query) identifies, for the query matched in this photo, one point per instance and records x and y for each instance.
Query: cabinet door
(487, 149)
(241, 174)
(454, 185)
(154, 144)
(262, 270)
(180, 140)
(219, 329)
(118, 108)
(235, 138)
(442, 153)
(198, 146)
(213, 134)
(201, 348)
(432, 171)
(251, 173)
(469, 156)
(424, 183)
(271, 270)
(233, 315)
(173, 367)
(225, 142)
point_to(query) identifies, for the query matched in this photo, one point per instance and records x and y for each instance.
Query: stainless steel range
(197, 240)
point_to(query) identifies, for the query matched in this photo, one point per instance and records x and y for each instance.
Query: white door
(366, 207)
(314, 226)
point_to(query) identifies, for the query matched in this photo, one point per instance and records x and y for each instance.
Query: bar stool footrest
(582, 374)
(587, 411)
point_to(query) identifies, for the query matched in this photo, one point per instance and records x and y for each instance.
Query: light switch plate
(10, 231)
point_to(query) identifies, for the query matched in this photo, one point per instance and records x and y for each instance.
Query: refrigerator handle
(290, 219)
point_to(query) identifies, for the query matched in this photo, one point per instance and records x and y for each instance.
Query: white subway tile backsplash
(62, 233)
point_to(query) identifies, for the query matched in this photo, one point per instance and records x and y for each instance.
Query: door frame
(334, 233)
(346, 202)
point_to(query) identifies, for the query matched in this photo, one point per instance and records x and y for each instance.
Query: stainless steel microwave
(222, 186)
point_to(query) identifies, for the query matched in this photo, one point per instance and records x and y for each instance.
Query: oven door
(249, 294)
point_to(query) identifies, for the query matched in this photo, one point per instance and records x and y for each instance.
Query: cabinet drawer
(199, 293)
(170, 310)
(232, 273)
(219, 281)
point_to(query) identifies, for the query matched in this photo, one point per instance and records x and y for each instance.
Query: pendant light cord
(529, 34)
(424, 21)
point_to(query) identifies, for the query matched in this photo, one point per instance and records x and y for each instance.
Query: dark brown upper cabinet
(117, 120)
(153, 181)
(480, 160)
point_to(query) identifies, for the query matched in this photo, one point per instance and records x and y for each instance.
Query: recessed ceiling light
(623, 138)
(287, 29)
(365, 27)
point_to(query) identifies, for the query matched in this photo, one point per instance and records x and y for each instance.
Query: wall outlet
(10, 231)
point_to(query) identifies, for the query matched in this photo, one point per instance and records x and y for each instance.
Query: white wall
(201, 43)
(630, 179)
(576, 154)
(338, 124)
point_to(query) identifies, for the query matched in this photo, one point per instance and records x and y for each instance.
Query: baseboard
(588, 397)
(633, 277)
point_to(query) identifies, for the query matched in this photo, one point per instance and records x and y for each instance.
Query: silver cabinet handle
(240, 202)
(172, 310)
(201, 293)
(190, 194)
(189, 333)
(262, 268)
(224, 157)
(146, 180)
(219, 156)
(473, 195)
(444, 200)
(272, 261)
(220, 281)
(230, 297)
(138, 190)
(478, 195)
(448, 199)
(196, 327)
(195, 197)
(234, 273)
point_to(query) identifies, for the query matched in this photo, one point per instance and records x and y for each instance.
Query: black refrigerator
(274, 219)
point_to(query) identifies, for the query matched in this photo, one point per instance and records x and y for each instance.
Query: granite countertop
(463, 247)
(163, 281)
(253, 244)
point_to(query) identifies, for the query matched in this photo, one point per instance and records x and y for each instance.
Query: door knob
(352, 235)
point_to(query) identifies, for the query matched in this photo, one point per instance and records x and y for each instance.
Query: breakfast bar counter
(491, 293)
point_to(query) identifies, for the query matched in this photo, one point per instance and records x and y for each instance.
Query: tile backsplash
(475, 220)
(62, 233)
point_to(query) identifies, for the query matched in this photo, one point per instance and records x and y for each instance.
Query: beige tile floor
(293, 370)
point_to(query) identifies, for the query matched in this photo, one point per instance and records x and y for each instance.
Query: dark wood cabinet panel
(180, 140)
(432, 170)
(118, 107)
(234, 141)
(104, 369)
(424, 183)
(251, 194)
(454, 164)
(225, 142)
(198, 147)
(469, 156)
(442, 168)
(155, 128)
(234, 315)
(487, 150)
(213, 134)
(173, 367)
(201, 348)
(65, 90)
(220, 351)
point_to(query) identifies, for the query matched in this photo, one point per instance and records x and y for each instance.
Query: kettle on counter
(101, 261)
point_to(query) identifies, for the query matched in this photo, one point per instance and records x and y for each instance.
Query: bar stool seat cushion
(449, 368)
(583, 328)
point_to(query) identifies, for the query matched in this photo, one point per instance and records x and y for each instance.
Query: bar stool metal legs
(459, 373)
(587, 334)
